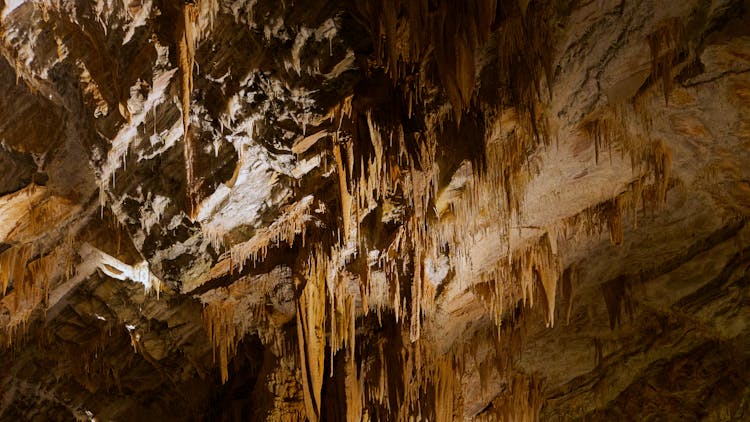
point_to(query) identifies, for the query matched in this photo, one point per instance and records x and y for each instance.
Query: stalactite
(311, 314)
(411, 35)
(16, 330)
(378, 176)
(214, 235)
(283, 230)
(448, 400)
(414, 383)
(531, 271)
(13, 263)
(344, 196)
(569, 278)
(218, 318)
(522, 402)
(376, 180)
(387, 162)
(88, 363)
(186, 46)
(42, 270)
(612, 126)
(342, 314)
(525, 63)
(195, 17)
(662, 168)
(636, 195)
(603, 133)
(392, 155)
(67, 260)
(31, 279)
(44, 212)
(354, 394)
(617, 296)
(666, 43)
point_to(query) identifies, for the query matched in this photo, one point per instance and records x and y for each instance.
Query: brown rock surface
(374, 210)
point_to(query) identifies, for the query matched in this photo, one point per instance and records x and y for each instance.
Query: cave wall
(374, 210)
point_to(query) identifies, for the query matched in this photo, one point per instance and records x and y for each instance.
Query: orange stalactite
(311, 316)
(223, 332)
(195, 17)
(186, 40)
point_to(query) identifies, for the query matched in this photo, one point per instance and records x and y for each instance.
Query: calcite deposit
(374, 210)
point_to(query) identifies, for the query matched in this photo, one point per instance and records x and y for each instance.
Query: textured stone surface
(375, 210)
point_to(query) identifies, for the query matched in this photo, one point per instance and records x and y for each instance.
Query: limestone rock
(374, 210)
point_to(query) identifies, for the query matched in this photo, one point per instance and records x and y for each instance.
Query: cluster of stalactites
(402, 380)
(522, 273)
(390, 167)
(422, 44)
(34, 260)
(327, 307)
(529, 273)
(224, 333)
(411, 33)
(666, 44)
(31, 279)
(521, 402)
(293, 223)
(380, 177)
(414, 383)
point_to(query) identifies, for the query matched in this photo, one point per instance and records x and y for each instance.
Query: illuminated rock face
(374, 210)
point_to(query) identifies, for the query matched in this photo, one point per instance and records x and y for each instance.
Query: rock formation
(374, 210)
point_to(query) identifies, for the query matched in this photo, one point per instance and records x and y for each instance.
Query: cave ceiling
(374, 210)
